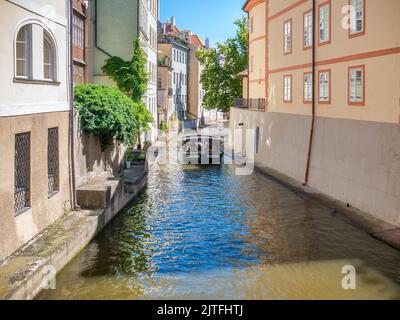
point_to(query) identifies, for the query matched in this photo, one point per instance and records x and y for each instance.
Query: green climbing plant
(131, 78)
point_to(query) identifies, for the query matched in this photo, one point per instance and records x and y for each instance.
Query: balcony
(249, 104)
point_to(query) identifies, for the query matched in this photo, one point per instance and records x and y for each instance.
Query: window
(39, 64)
(287, 88)
(52, 161)
(78, 37)
(308, 30)
(357, 17)
(48, 58)
(22, 172)
(23, 52)
(251, 24)
(357, 86)
(308, 87)
(287, 26)
(324, 86)
(324, 23)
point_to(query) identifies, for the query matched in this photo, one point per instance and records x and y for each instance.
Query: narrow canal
(205, 233)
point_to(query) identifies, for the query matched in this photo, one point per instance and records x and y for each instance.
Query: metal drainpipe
(71, 112)
(310, 144)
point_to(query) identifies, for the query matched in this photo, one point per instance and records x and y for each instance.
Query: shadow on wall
(90, 160)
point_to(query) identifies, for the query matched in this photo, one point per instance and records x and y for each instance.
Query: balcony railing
(249, 104)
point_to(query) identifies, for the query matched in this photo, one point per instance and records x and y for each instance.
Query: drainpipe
(311, 136)
(71, 111)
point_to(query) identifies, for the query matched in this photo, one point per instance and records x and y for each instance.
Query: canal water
(206, 233)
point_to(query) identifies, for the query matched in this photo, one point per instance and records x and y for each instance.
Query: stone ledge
(22, 274)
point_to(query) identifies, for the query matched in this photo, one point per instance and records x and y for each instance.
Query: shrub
(108, 113)
(163, 126)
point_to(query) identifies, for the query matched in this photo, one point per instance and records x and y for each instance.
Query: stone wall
(90, 161)
(355, 162)
(17, 229)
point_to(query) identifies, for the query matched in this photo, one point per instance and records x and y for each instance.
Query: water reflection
(207, 233)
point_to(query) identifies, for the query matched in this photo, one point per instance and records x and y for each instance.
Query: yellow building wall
(378, 50)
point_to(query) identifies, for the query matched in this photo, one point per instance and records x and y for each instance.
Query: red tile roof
(196, 40)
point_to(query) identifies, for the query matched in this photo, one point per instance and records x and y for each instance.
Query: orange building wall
(378, 50)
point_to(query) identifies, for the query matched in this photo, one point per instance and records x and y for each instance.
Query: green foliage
(221, 68)
(163, 126)
(109, 114)
(130, 76)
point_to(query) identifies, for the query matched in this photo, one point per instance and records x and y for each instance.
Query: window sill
(52, 194)
(39, 82)
(26, 209)
(80, 62)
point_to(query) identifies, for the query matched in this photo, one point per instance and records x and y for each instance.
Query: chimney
(172, 23)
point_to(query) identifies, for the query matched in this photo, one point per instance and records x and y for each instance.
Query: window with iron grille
(52, 161)
(22, 172)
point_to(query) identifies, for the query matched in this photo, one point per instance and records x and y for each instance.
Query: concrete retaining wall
(355, 162)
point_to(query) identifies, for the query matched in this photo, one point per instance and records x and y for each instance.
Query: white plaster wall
(25, 98)
(179, 67)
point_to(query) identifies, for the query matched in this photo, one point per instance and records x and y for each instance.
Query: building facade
(174, 46)
(178, 52)
(165, 91)
(329, 75)
(82, 41)
(131, 19)
(35, 184)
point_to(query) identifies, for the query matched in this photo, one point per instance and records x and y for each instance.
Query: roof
(169, 29)
(246, 7)
(195, 39)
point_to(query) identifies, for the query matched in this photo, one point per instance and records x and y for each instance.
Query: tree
(222, 65)
(131, 78)
(107, 113)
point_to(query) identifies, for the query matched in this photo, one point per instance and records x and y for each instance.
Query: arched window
(35, 60)
(24, 53)
(48, 58)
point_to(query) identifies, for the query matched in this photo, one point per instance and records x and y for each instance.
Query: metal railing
(249, 104)
(22, 172)
(52, 161)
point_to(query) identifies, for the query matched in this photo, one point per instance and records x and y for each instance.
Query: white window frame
(307, 87)
(324, 23)
(287, 88)
(357, 15)
(287, 41)
(356, 85)
(324, 84)
(308, 29)
(52, 62)
(27, 53)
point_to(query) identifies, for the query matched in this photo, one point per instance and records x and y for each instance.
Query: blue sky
(207, 18)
